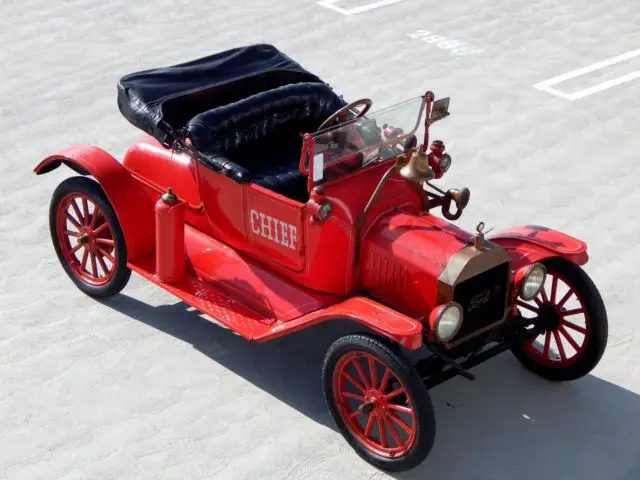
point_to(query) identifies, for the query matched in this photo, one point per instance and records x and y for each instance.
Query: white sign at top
(332, 4)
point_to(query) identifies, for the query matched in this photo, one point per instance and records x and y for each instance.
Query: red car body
(287, 287)
(363, 246)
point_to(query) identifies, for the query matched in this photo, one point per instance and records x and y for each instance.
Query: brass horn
(417, 168)
(460, 197)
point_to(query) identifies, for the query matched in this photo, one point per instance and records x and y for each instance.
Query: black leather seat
(258, 138)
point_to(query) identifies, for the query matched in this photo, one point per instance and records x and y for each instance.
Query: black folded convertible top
(161, 101)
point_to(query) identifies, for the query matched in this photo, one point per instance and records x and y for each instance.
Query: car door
(273, 225)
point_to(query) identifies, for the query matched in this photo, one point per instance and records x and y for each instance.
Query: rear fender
(531, 243)
(390, 323)
(133, 208)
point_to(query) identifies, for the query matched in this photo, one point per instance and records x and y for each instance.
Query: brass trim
(465, 264)
(363, 215)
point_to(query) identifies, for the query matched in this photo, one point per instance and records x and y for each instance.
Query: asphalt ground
(142, 387)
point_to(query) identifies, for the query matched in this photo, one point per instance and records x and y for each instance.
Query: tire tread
(598, 324)
(425, 416)
(93, 189)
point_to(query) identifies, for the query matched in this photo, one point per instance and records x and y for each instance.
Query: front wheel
(87, 238)
(571, 308)
(378, 402)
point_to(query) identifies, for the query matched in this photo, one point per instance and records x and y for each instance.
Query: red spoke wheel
(378, 402)
(576, 325)
(87, 237)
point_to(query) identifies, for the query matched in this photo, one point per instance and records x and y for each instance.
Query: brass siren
(417, 168)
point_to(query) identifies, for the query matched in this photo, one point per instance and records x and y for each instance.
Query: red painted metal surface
(170, 250)
(86, 239)
(387, 424)
(405, 330)
(248, 281)
(330, 244)
(209, 300)
(428, 99)
(133, 207)
(273, 260)
(403, 255)
(244, 216)
(274, 228)
(265, 225)
(349, 202)
(158, 169)
(437, 150)
(530, 243)
(162, 168)
(328, 249)
(224, 205)
(261, 305)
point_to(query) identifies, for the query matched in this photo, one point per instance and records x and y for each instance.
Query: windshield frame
(314, 167)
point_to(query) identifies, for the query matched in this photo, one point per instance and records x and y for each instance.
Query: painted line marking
(331, 4)
(546, 85)
(455, 47)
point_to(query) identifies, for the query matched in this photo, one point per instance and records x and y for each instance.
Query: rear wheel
(378, 402)
(87, 238)
(575, 338)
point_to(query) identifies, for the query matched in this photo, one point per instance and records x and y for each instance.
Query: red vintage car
(263, 199)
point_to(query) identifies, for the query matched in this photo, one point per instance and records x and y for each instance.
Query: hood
(405, 256)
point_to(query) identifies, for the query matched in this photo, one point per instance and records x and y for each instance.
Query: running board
(204, 296)
(211, 301)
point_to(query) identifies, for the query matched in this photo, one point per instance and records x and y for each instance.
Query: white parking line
(331, 4)
(546, 85)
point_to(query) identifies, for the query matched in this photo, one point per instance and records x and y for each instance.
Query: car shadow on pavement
(509, 424)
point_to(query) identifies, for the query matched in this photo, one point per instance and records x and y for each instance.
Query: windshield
(361, 142)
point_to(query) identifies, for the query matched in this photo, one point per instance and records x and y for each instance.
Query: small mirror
(440, 109)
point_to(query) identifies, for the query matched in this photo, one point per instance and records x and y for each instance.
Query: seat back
(231, 136)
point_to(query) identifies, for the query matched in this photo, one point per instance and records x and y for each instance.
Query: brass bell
(417, 168)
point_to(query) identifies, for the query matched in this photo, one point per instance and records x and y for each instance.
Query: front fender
(133, 208)
(390, 323)
(531, 243)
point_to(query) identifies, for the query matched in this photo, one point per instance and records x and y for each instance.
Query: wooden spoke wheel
(576, 326)
(87, 238)
(378, 402)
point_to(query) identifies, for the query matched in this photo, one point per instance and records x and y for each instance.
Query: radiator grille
(482, 298)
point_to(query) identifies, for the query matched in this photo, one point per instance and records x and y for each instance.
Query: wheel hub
(373, 400)
(83, 239)
(549, 316)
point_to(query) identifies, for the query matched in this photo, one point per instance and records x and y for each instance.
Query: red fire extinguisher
(169, 214)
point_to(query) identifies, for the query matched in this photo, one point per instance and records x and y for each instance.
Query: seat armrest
(200, 135)
(225, 166)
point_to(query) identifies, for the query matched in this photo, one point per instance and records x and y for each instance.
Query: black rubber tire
(598, 324)
(92, 189)
(425, 416)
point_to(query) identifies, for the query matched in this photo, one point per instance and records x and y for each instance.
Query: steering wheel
(366, 102)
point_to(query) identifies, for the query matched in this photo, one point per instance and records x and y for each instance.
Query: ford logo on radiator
(478, 300)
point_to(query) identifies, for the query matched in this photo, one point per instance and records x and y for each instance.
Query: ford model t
(264, 200)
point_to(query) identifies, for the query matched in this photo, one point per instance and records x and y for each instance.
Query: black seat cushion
(259, 138)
